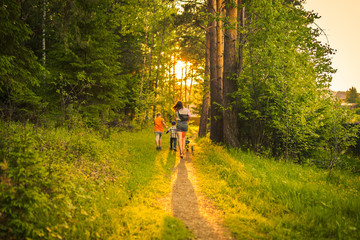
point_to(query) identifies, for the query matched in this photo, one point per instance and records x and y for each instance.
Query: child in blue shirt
(173, 137)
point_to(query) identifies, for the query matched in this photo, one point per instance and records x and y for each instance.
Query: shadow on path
(185, 204)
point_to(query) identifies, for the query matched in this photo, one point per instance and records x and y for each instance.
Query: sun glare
(180, 69)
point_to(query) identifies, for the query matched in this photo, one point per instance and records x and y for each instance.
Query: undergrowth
(81, 184)
(264, 199)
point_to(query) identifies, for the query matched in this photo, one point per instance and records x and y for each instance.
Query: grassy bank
(82, 184)
(264, 199)
(85, 184)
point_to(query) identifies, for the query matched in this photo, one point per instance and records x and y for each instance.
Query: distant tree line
(352, 95)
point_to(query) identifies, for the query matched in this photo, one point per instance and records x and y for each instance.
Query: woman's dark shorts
(182, 126)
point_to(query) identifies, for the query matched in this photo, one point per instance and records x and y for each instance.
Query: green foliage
(22, 176)
(285, 109)
(19, 70)
(264, 199)
(352, 96)
(60, 184)
(85, 71)
(104, 60)
(190, 24)
(336, 135)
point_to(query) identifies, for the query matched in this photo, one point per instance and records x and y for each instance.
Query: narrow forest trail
(187, 203)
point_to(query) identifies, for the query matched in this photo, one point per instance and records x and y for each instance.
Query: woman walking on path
(182, 116)
(159, 129)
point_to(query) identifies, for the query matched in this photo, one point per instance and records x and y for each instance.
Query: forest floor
(187, 203)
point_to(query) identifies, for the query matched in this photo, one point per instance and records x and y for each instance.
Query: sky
(341, 22)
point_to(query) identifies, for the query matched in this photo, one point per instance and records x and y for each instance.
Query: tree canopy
(255, 68)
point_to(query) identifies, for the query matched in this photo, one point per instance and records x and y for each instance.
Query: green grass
(265, 199)
(84, 184)
(79, 184)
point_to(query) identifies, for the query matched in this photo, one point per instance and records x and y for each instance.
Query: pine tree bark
(144, 60)
(216, 127)
(220, 41)
(231, 129)
(206, 98)
(181, 84)
(174, 77)
(240, 40)
(44, 34)
(185, 85)
(150, 82)
(158, 70)
(191, 84)
(150, 61)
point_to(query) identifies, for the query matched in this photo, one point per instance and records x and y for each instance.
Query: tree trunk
(150, 61)
(150, 82)
(216, 130)
(220, 42)
(191, 83)
(174, 79)
(181, 83)
(44, 34)
(157, 70)
(241, 21)
(231, 129)
(206, 98)
(185, 85)
(144, 60)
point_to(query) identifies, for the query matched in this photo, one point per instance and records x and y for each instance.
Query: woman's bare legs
(180, 136)
(183, 142)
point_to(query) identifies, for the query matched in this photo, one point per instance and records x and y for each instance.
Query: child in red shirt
(159, 129)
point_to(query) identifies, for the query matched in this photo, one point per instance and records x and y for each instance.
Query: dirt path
(188, 204)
